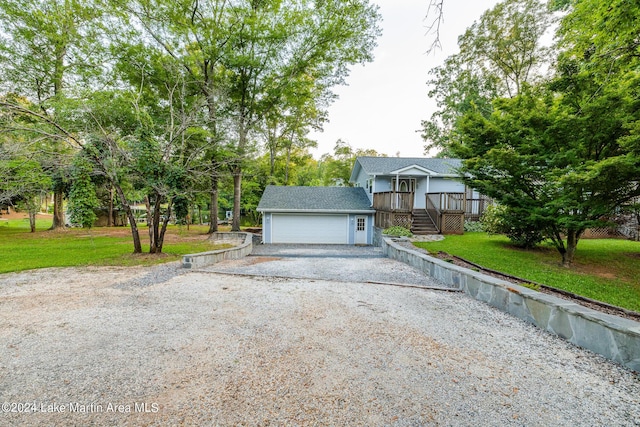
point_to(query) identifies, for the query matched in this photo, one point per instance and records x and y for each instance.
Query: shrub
(473, 226)
(498, 219)
(82, 197)
(398, 231)
(492, 221)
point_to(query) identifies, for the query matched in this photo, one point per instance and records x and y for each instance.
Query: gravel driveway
(362, 264)
(165, 346)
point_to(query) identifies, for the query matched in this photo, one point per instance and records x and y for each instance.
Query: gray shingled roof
(316, 199)
(385, 165)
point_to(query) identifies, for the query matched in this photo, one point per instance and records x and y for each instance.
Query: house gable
(413, 170)
(376, 166)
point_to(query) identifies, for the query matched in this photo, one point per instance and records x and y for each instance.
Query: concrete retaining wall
(613, 337)
(377, 236)
(203, 259)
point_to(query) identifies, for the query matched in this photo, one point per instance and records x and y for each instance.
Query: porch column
(395, 190)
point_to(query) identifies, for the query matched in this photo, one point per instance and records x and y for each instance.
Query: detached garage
(320, 215)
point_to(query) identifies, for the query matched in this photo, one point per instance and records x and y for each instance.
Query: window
(360, 225)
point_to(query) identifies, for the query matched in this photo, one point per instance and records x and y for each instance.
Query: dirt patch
(13, 215)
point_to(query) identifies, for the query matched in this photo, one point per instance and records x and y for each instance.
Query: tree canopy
(499, 53)
(167, 100)
(560, 153)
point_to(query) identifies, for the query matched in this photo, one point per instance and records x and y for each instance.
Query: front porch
(445, 213)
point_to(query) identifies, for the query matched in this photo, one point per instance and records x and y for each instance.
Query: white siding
(445, 185)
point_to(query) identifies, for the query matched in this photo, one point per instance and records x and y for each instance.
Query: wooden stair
(421, 223)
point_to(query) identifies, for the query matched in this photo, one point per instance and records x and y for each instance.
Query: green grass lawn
(607, 270)
(22, 250)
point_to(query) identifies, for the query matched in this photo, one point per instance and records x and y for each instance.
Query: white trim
(414, 166)
(324, 211)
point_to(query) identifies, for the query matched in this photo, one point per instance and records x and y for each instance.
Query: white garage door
(298, 228)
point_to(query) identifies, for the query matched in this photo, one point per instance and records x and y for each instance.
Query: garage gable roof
(314, 199)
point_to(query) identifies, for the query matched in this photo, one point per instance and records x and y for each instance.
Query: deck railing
(447, 211)
(476, 207)
(447, 202)
(393, 201)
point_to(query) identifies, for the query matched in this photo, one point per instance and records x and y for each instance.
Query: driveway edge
(204, 259)
(615, 338)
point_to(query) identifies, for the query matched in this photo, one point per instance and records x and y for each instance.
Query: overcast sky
(385, 100)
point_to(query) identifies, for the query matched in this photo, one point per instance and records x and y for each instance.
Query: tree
(277, 44)
(498, 54)
(457, 90)
(243, 56)
(336, 168)
(601, 33)
(556, 168)
(82, 197)
(506, 43)
(286, 125)
(24, 184)
(148, 138)
(44, 46)
(435, 17)
(193, 34)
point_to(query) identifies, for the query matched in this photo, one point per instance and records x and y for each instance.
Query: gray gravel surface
(326, 262)
(202, 348)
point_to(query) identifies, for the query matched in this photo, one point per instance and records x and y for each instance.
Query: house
(327, 215)
(423, 194)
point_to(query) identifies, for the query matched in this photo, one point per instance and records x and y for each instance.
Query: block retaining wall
(207, 258)
(613, 337)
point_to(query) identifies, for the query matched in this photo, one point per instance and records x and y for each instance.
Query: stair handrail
(433, 209)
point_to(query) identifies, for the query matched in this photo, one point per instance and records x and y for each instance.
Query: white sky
(385, 100)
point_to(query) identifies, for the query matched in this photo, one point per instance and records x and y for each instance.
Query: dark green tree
(82, 198)
(557, 169)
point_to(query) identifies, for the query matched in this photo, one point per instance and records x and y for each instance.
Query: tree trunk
(272, 160)
(110, 218)
(137, 245)
(32, 220)
(58, 211)
(163, 230)
(286, 169)
(573, 236)
(152, 222)
(156, 229)
(237, 188)
(58, 75)
(213, 202)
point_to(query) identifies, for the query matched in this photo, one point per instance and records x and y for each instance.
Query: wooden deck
(448, 211)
